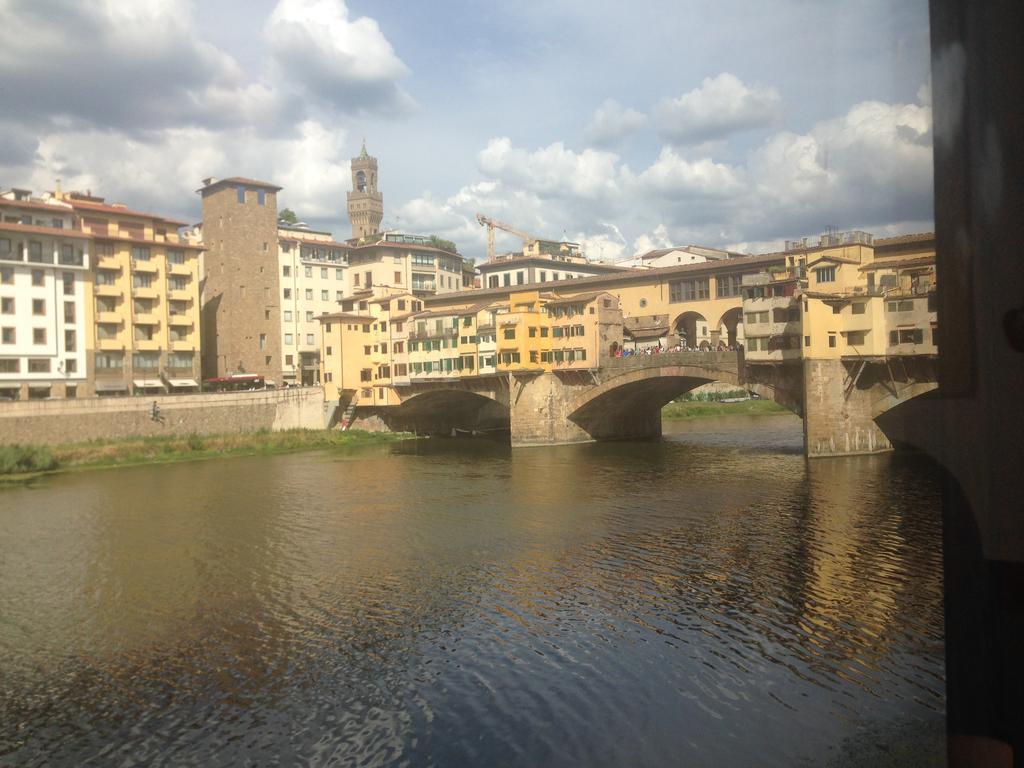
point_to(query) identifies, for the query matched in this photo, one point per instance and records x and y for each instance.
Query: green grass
(19, 462)
(691, 409)
(20, 459)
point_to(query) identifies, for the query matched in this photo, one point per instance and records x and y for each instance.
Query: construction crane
(493, 224)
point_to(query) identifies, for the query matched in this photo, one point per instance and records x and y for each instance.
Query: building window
(288, 359)
(855, 338)
(836, 309)
(398, 277)
(728, 285)
(309, 294)
(10, 365)
(506, 279)
(309, 338)
(286, 271)
(69, 283)
(70, 341)
(38, 277)
(324, 296)
(7, 305)
(858, 308)
(145, 281)
(261, 199)
(288, 339)
(39, 365)
(329, 351)
(38, 335)
(263, 341)
(240, 194)
(323, 273)
(287, 293)
(689, 290)
(308, 271)
(831, 339)
(906, 305)
(287, 315)
(337, 274)
(7, 335)
(825, 274)
(6, 276)
(141, 253)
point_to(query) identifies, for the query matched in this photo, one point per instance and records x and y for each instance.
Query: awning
(111, 386)
(183, 382)
(148, 383)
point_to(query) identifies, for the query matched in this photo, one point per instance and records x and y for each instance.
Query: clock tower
(365, 203)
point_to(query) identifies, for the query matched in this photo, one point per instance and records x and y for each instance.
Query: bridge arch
(629, 403)
(442, 409)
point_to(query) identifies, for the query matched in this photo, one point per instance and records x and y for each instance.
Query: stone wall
(540, 411)
(836, 424)
(67, 421)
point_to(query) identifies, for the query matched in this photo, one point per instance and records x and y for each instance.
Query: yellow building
(851, 296)
(145, 308)
(123, 309)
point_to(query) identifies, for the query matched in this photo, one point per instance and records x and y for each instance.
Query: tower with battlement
(365, 202)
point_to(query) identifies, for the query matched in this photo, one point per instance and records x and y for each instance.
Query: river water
(708, 599)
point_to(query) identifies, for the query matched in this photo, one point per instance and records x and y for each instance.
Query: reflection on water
(709, 599)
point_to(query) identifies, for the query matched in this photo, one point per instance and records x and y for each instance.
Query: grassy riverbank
(692, 409)
(19, 462)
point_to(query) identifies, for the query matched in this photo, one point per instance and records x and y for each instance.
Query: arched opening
(361, 181)
(731, 327)
(692, 329)
(613, 350)
(441, 412)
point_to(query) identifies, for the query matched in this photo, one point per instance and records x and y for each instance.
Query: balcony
(147, 345)
(145, 266)
(179, 269)
(106, 289)
(182, 345)
(146, 318)
(181, 320)
(140, 292)
(108, 262)
(433, 333)
(180, 294)
(110, 345)
(110, 316)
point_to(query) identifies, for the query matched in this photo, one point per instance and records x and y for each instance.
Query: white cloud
(611, 122)
(346, 63)
(673, 176)
(553, 170)
(722, 105)
(869, 168)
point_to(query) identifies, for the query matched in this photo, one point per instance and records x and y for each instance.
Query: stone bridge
(839, 401)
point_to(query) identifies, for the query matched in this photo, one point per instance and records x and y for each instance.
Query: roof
(553, 264)
(345, 316)
(235, 181)
(910, 261)
(403, 247)
(144, 241)
(34, 230)
(119, 210)
(832, 258)
(58, 207)
(625, 277)
(578, 298)
(917, 237)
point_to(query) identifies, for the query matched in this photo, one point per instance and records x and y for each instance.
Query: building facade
(242, 290)
(313, 269)
(851, 296)
(406, 263)
(102, 299)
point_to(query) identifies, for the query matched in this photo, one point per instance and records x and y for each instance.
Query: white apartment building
(44, 313)
(313, 278)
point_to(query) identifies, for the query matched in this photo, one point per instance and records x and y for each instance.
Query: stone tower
(365, 203)
(241, 322)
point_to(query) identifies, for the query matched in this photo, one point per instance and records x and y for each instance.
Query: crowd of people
(681, 347)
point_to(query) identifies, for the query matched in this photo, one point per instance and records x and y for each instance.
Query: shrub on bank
(18, 459)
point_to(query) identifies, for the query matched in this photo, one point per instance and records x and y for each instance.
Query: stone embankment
(51, 422)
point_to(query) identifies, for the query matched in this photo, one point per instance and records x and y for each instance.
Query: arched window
(361, 181)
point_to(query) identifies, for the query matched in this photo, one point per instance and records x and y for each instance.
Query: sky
(622, 126)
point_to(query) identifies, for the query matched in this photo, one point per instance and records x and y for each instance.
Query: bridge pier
(838, 418)
(538, 410)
